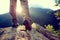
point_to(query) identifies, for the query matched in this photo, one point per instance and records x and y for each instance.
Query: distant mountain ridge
(41, 16)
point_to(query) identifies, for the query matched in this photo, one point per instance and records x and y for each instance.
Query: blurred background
(43, 12)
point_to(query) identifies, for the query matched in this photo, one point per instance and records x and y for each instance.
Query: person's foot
(15, 25)
(27, 25)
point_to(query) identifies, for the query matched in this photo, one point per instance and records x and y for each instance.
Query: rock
(33, 34)
(8, 34)
(37, 33)
(47, 34)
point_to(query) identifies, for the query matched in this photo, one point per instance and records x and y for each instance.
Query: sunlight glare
(5, 6)
(18, 9)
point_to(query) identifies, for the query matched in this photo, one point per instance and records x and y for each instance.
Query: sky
(4, 5)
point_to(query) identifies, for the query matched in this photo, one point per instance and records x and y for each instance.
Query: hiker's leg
(13, 12)
(25, 13)
(25, 10)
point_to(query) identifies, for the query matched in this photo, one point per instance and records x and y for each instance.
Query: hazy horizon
(5, 5)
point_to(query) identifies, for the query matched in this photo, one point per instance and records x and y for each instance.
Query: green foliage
(57, 2)
(52, 30)
(57, 32)
(49, 28)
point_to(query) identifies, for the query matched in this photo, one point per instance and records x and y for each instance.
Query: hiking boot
(15, 23)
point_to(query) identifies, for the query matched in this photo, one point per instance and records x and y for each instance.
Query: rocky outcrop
(47, 34)
(8, 33)
(36, 34)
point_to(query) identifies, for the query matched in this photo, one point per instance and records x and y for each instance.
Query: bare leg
(13, 12)
(25, 13)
